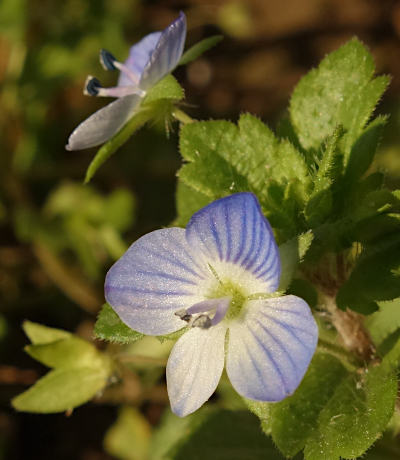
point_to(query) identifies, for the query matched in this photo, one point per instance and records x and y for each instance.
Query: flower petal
(139, 56)
(271, 347)
(167, 53)
(103, 124)
(234, 231)
(156, 277)
(194, 368)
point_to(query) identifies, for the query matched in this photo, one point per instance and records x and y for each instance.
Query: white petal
(271, 347)
(194, 368)
(156, 277)
(104, 123)
(233, 235)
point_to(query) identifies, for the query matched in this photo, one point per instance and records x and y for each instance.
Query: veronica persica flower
(216, 279)
(155, 56)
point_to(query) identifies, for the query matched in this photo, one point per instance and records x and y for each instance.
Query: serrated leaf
(328, 171)
(364, 149)
(226, 435)
(109, 327)
(291, 254)
(39, 334)
(375, 277)
(224, 159)
(385, 321)
(64, 353)
(199, 48)
(62, 389)
(293, 420)
(341, 91)
(356, 415)
(129, 437)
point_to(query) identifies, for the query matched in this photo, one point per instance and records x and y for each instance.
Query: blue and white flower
(216, 279)
(150, 60)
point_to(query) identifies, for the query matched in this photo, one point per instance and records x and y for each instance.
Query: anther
(202, 321)
(183, 315)
(92, 86)
(107, 60)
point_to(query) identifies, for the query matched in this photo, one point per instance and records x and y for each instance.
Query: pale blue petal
(167, 53)
(194, 368)
(156, 277)
(103, 124)
(139, 56)
(234, 230)
(271, 347)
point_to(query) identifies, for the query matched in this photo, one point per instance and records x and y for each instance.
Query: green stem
(347, 358)
(181, 116)
(110, 147)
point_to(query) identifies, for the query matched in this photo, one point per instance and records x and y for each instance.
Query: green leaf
(129, 437)
(188, 201)
(69, 352)
(341, 91)
(199, 48)
(169, 432)
(364, 149)
(167, 88)
(224, 159)
(294, 419)
(291, 254)
(226, 435)
(39, 334)
(328, 171)
(385, 321)
(62, 389)
(375, 277)
(109, 327)
(358, 412)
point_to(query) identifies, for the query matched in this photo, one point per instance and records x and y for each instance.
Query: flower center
(229, 289)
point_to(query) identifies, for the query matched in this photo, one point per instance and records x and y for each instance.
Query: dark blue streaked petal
(194, 368)
(139, 56)
(234, 230)
(166, 54)
(156, 277)
(103, 124)
(271, 347)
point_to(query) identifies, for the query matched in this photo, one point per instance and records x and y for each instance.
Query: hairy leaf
(341, 91)
(109, 327)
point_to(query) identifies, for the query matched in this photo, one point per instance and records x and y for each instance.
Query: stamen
(92, 86)
(108, 61)
(119, 91)
(183, 315)
(196, 315)
(202, 321)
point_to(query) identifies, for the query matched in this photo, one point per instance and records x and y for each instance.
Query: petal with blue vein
(104, 123)
(156, 277)
(166, 54)
(234, 231)
(139, 56)
(194, 368)
(271, 347)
